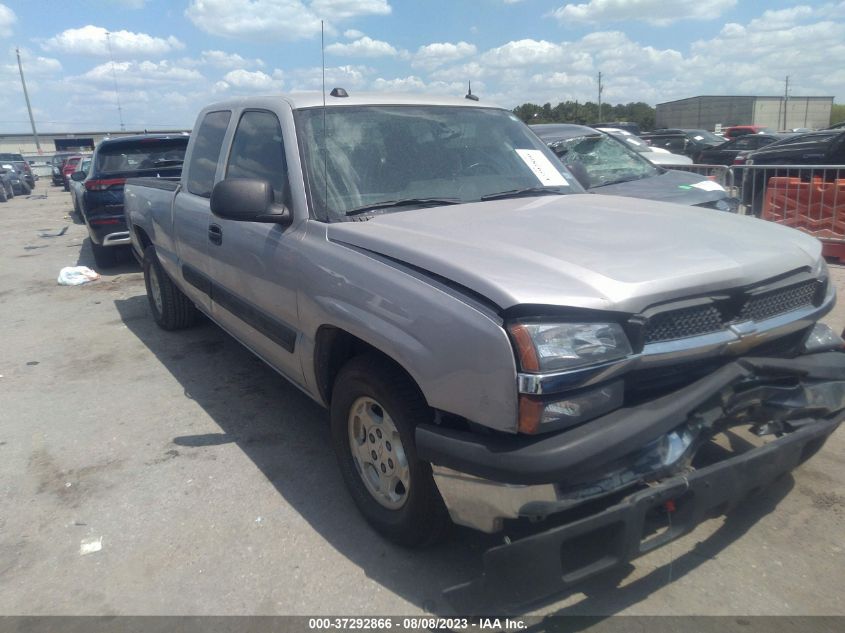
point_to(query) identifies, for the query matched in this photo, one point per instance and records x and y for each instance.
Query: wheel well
(333, 349)
(143, 239)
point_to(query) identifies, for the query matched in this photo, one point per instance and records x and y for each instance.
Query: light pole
(28, 106)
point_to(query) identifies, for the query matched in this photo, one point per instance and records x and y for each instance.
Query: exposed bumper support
(574, 455)
(550, 562)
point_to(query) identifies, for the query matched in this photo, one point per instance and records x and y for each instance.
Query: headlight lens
(538, 414)
(558, 346)
(820, 269)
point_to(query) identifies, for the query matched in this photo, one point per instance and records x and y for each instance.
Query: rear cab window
(141, 155)
(206, 152)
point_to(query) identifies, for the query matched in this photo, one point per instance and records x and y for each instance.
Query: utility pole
(114, 77)
(785, 99)
(601, 88)
(28, 106)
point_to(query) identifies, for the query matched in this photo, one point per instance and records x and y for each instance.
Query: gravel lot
(211, 487)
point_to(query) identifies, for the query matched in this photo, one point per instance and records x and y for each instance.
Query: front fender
(456, 350)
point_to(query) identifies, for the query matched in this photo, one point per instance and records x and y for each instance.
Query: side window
(258, 151)
(206, 153)
(745, 142)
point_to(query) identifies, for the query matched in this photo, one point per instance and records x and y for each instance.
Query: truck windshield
(413, 156)
(605, 160)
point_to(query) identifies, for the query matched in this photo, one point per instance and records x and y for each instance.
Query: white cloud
(439, 53)
(92, 40)
(342, 76)
(34, 65)
(525, 52)
(658, 12)
(221, 59)
(363, 47)
(403, 84)
(781, 18)
(352, 34)
(7, 19)
(245, 80)
(144, 73)
(342, 9)
(277, 19)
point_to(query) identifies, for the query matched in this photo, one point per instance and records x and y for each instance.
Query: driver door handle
(215, 234)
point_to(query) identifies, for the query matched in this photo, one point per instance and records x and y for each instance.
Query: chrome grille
(671, 325)
(780, 301)
(676, 324)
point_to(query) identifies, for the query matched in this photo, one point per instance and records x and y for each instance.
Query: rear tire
(171, 309)
(105, 256)
(372, 394)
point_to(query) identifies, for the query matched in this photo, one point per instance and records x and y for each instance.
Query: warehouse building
(710, 112)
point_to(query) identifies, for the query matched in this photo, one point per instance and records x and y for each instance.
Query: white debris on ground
(76, 275)
(90, 545)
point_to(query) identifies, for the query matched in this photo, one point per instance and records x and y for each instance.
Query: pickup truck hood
(582, 250)
(670, 186)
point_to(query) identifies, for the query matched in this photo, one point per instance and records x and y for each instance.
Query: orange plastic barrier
(816, 207)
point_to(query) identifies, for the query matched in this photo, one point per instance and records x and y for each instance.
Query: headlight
(558, 346)
(539, 414)
(820, 269)
(722, 204)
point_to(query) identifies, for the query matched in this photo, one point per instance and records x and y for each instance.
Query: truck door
(191, 212)
(253, 264)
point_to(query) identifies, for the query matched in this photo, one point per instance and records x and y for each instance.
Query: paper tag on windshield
(542, 167)
(709, 185)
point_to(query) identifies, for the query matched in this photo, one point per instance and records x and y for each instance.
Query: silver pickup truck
(496, 346)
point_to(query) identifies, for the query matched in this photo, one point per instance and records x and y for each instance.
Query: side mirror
(247, 200)
(78, 176)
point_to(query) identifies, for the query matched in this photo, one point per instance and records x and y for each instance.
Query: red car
(68, 167)
(735, 131)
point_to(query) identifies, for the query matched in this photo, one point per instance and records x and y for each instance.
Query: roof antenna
(469, 94)
(325, 131)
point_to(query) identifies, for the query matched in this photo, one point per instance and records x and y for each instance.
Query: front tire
(171, 309)
(375, 408)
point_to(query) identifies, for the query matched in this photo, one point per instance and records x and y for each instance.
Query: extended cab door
(191, 211)
(254, 265)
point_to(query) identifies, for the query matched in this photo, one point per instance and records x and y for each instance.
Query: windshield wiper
(526, 191)
(406, 202)
(619, 181)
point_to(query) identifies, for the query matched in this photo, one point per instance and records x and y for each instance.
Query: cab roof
(305, 100)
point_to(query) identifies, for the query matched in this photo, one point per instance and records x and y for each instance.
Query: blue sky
(173, 57)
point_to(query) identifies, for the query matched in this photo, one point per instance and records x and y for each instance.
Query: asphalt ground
(145, 472)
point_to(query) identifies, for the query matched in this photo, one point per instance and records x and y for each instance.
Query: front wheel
(375, 408)
(171, 309)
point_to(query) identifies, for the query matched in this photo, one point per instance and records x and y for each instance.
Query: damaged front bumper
(485, 480)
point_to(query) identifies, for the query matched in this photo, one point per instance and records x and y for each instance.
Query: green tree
(837, 113)
(587, 113)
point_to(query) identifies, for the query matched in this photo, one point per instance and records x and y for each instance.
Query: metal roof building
(24, 143)
(707, 112)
